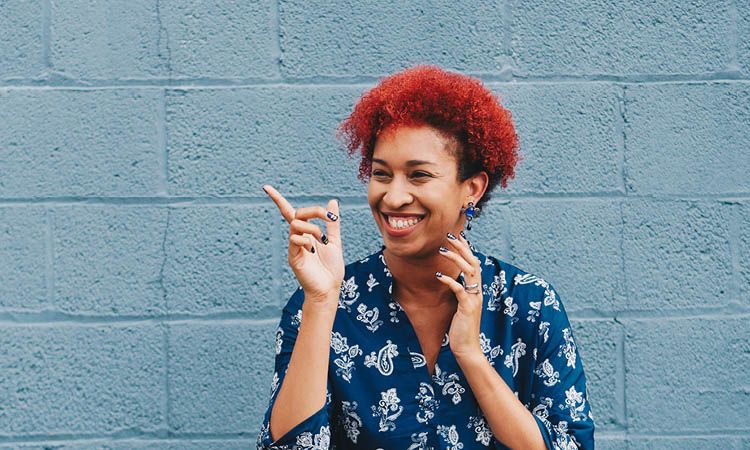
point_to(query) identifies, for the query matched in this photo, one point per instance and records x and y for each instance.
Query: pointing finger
(286, 208)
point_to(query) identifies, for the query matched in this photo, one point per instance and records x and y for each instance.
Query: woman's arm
(299, 418)
(561, 405)
(511, 423)
(303, 391)
(299, 412)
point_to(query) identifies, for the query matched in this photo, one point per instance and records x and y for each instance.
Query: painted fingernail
(451, 236)
(312, 249)
(332, 216)
(443, 249)
(463, 235)
(438, 274)
(324, 239)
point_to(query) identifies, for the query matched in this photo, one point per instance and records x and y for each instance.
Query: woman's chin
(412, 249)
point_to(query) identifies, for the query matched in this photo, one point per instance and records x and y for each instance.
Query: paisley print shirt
(380, 394)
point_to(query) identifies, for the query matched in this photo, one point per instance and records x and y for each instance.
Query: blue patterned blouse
(381, 395)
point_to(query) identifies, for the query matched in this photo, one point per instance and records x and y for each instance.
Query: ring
(472, 288)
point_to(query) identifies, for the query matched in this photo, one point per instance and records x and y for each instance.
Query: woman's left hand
(464, 331)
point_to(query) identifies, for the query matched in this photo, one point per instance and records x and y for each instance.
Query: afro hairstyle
(478, 129)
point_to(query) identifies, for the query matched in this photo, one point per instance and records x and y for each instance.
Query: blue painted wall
(143, 270)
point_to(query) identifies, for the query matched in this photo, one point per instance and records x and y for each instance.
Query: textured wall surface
(143, 270)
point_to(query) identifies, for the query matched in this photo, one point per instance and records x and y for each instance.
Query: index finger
(286, 208)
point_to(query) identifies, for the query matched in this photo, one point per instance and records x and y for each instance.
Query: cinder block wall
(143, 270)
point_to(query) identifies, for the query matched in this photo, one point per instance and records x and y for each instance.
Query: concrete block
(23, 257)
(338, 38)
(221, 259)
(592, 37)
(233, 141)
(575, 245)
(108, 260)
(688, 139)
(677, 255)
(220, 376)
(569, 139)
(79, 142)
(72, 379)
(686, 375)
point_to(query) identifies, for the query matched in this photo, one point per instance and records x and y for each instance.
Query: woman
(427, 343)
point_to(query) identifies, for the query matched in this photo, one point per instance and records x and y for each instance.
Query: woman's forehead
(411, 146)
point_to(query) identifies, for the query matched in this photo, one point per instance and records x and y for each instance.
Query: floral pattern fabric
(380, 394)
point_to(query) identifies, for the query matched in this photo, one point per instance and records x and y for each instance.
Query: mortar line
(357, 201)
(621, 410)
(507, 11)
(276, 43)
(621, 137)
(271, 314)
(66, 320)
(45, 34)
(360, 82)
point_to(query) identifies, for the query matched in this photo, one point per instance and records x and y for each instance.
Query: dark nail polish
(332, 216)
(438, 274)
(324, 239)
(451, 236)
(463, 235)
(443, 249)
(312, 249)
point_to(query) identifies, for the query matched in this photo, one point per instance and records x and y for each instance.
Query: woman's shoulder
(515, 275)
(528, 290)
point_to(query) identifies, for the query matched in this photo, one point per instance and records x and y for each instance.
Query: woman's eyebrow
(410, 163)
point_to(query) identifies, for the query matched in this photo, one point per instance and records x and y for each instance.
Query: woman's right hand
(319, 267)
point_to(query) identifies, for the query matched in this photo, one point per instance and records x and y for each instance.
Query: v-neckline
(414, 349)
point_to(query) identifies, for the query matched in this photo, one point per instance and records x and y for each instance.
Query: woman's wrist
(325, 305)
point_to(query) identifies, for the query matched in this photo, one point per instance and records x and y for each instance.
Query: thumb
(333, 229)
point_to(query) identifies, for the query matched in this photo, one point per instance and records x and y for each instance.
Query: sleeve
(315, 431)
(560, 401)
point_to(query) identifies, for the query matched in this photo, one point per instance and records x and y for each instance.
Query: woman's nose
(397, 196)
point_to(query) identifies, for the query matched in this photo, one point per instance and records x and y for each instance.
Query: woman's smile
(400, 226)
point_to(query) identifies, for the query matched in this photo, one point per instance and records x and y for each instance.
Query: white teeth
(401, 223)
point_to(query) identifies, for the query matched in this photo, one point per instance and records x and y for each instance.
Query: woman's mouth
(401, 226)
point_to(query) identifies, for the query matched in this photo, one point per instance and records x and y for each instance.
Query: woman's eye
(377, 173)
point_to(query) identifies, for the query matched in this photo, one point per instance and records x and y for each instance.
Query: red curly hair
(458, 106)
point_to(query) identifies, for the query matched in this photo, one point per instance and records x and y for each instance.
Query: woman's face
(414, 181)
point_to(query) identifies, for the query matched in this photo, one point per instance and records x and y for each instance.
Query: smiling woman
(427, 343)
(414, 175)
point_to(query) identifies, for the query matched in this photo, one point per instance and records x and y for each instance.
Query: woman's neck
(414, 281)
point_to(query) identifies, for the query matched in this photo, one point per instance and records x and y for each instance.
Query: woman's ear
(477, 185)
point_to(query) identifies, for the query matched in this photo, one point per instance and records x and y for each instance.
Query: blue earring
(471, 212)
